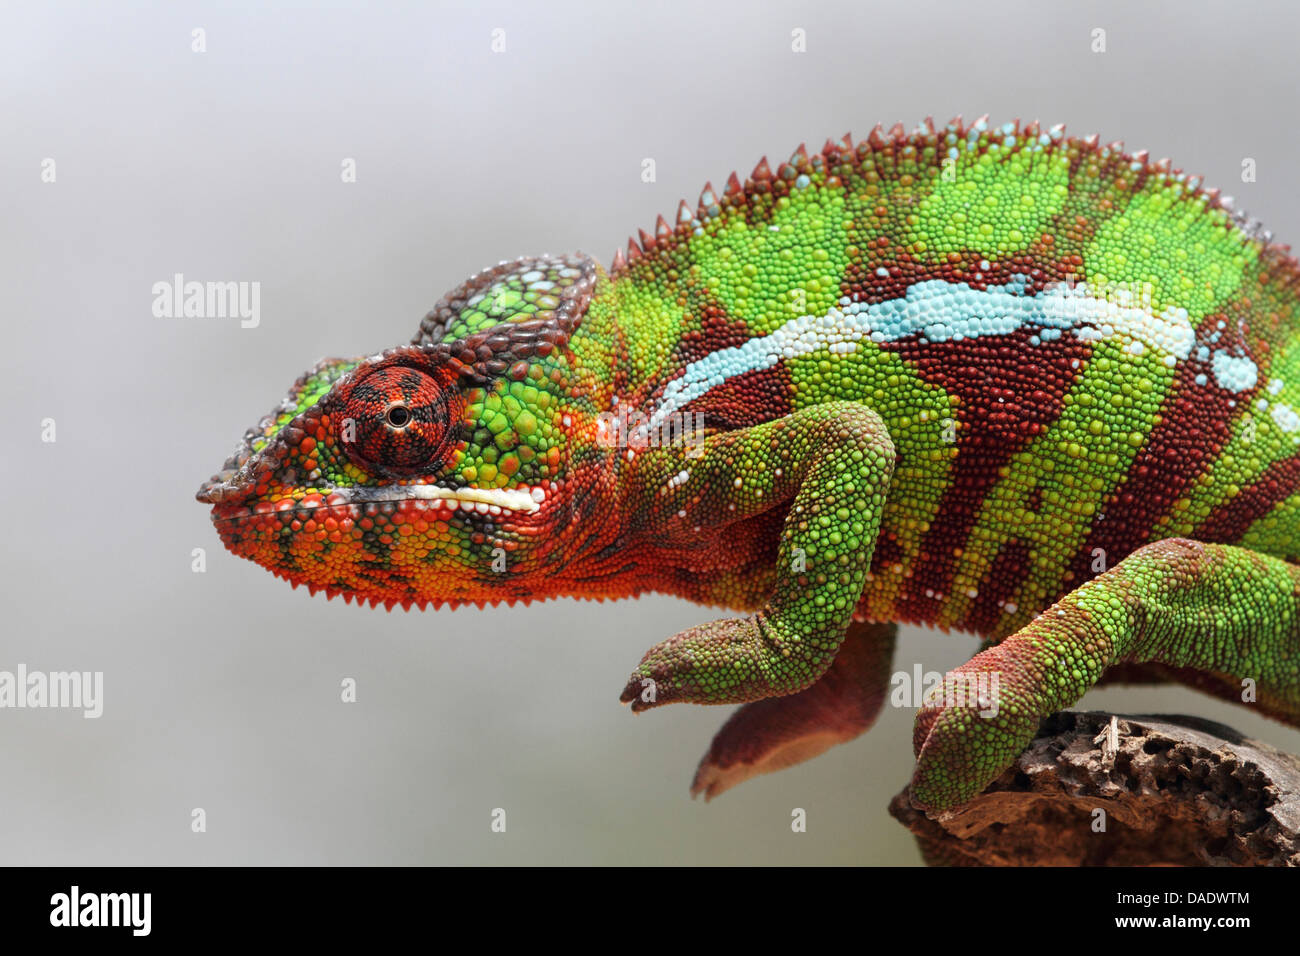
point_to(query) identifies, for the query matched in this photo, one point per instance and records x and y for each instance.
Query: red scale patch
(1195, 424)
(1009, 391)
(1279, 481)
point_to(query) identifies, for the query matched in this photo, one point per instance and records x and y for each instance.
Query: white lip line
(484, 500)
(511, 499)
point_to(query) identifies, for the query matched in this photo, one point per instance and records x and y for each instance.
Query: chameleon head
(443, 471)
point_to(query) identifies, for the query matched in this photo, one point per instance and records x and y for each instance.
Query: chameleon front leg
(831, 465)
(1212, 608)
(769, 735)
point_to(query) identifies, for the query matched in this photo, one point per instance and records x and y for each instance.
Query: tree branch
(1097, 789)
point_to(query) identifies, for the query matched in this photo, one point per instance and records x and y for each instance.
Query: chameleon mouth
(229, 499)
(487, 499)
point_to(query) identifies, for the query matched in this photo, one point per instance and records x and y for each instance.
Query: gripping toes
(724, 662)
(975, 725)
(1178, 603)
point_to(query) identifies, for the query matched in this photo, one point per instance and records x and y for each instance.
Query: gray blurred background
(222, 688)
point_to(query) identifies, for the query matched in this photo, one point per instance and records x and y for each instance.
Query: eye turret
(396, 422)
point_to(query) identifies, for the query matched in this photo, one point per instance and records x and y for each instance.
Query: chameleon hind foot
(769, 735)
(1178, 603)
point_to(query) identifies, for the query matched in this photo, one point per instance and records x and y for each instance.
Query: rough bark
(1172, 790)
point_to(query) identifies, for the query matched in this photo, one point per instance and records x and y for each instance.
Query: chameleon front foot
(829, 466)
(730, 661)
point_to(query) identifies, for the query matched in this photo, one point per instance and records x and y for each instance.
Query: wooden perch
(1171, 790)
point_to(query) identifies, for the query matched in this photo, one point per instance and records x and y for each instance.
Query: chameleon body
(998, 380)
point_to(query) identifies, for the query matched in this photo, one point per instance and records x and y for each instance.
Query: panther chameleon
(989, 379)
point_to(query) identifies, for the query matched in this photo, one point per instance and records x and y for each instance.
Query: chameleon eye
(396, 422)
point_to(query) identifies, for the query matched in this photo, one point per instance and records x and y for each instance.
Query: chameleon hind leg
(769, 735)
(830, 465)
(1230, 613)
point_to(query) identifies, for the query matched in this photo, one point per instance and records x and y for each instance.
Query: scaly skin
(994, 380)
